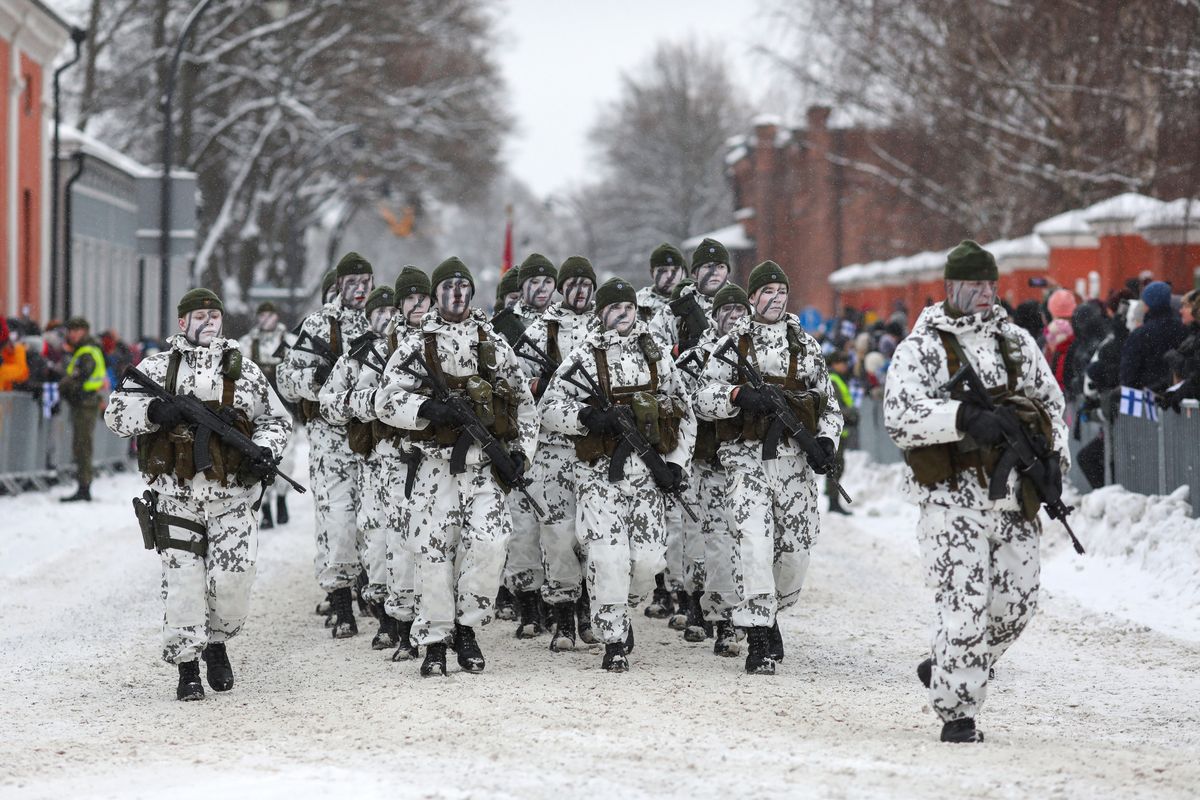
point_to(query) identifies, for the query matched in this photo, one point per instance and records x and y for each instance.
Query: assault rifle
(1026, 451)
(783, 420)
(632, 440)
(208, 423)
(526, 348)
(692, 363)
(316, 346)
(362, 350)
(693, 321)
(473, 431)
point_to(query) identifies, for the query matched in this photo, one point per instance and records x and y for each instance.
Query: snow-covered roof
(743, 213)
(1024, 252)
(1068, 229)
(1176, 222)
(732, 236)
(1115, 215)
(737, 152)
(766, 119)
(74, 140)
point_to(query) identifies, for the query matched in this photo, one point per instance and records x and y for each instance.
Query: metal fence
(35, 451)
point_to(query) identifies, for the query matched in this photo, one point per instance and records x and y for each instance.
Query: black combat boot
(190, 687)
(564, 628)
(385, 638)
(265, 522)
(629, 639)
(776, 648)
(406, 649)
(660, 606)
(697, 629)
(342, 607)
(281, 515)
(470, 657)
(925, 672)
(961, 731)
(219, 672)
(530, 626)
(84, 493)
(835, 505)
(435, 660)
(361, 583)
(758, 659)
(583, 613)
(325, 607)
(615, 657)
(505, 604)
(726, 643)
(679, 619)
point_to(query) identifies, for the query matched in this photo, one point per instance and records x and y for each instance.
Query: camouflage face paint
(577, 294)
(770, 303)
(201, 326)
(454, 299)
(380, 317)
(267, 320)
(354, 290)
(971, 297)
(619, 317)
(665, 277)
(711, 277)
(511, 299)
(727, 315)
(537, 291)
(413, 307)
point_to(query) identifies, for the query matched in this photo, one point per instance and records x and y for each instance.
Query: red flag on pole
(507, 260)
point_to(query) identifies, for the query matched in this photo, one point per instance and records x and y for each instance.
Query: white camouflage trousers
(207, 599)
(561, 548)
(621, 525)
(379, 480)
(721, 563)
(983, 568)
(773, 511)
(461, 528)
(334, 473)
(401, 598)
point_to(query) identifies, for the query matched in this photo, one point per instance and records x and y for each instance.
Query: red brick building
(811, 199)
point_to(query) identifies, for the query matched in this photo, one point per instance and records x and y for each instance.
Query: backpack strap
(552, 328)
(173, 363)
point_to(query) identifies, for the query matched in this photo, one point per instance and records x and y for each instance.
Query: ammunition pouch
(156, 527)
(361, 436)
(657, 419)
(806, 404)
(173, 452)
(706, 441)
(308, 410)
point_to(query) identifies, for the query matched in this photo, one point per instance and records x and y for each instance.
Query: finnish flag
(1138, 403)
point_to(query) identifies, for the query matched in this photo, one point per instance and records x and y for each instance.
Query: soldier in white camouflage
(334, 469)
(667, 268)
(265, 345)
(206, 529)
(550, 560)
(980, 555)
(362, 365)
(772, 500)
(711, 610)
(460, 518)
(538, 279)
(619, 521)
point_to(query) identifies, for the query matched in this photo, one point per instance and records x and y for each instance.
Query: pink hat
(1058, 331)
(1061, 304)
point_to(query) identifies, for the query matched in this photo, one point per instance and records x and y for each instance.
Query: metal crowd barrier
(872, 435)
(35, 452)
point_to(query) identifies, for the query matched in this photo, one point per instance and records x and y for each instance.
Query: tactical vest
(657, 417)
(806, 403)
(493, 400)
(311, 409)
(171, 451)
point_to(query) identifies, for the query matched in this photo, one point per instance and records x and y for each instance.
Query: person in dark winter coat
(1090, 326)
(1143, 358)
(1029, 315)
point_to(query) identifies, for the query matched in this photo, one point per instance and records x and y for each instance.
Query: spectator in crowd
(1029, 316)
(1090, 326)
(1143, 358)
(14, 367)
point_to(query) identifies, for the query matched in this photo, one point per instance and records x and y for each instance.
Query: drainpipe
(78, 36)
(69, 237)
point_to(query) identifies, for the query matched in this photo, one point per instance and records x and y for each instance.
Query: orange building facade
(31, 36)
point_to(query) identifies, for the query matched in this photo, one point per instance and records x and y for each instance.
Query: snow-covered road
(1087, 703)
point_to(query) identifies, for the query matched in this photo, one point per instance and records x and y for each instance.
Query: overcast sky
(563, 61)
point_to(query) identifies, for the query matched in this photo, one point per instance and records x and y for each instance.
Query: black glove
(828, 459)
(437, 412)
(673, 482)
(751, 399)
(598, 421)
(321, 373)
(520, 464)
(163, 413)
(980, 424)
(262, 466)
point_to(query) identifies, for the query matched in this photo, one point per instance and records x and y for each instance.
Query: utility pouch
(480, 393)
(361, 437)
(183, 442)
(807, 406)
(931, 464)
(670, 413)
(645, 415)
(505, 407)
(706, 441)
(309, 410)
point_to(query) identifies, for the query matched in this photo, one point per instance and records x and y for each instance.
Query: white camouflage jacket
(771, 355)
(665, 326)
(362, 398)
(296, 376)
(627, 366)
(400, 396)
(268, 342)
(572, 330)
(527, 313)
(650, 302)
(200, 375)
(918, 411)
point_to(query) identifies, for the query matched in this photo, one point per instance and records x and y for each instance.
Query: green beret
(764, 273)
(710, 251)
(327, 281)
(970, 262)
(727, 294)
(576, 267)
(666, 255)
(411, 281)
(379, 297)
(533, 266)
(677, 291)
(196, 299)
(266, 306)
(452, 267)
(510, 281)
(77, 323)
(353, 264)
(615, 290)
